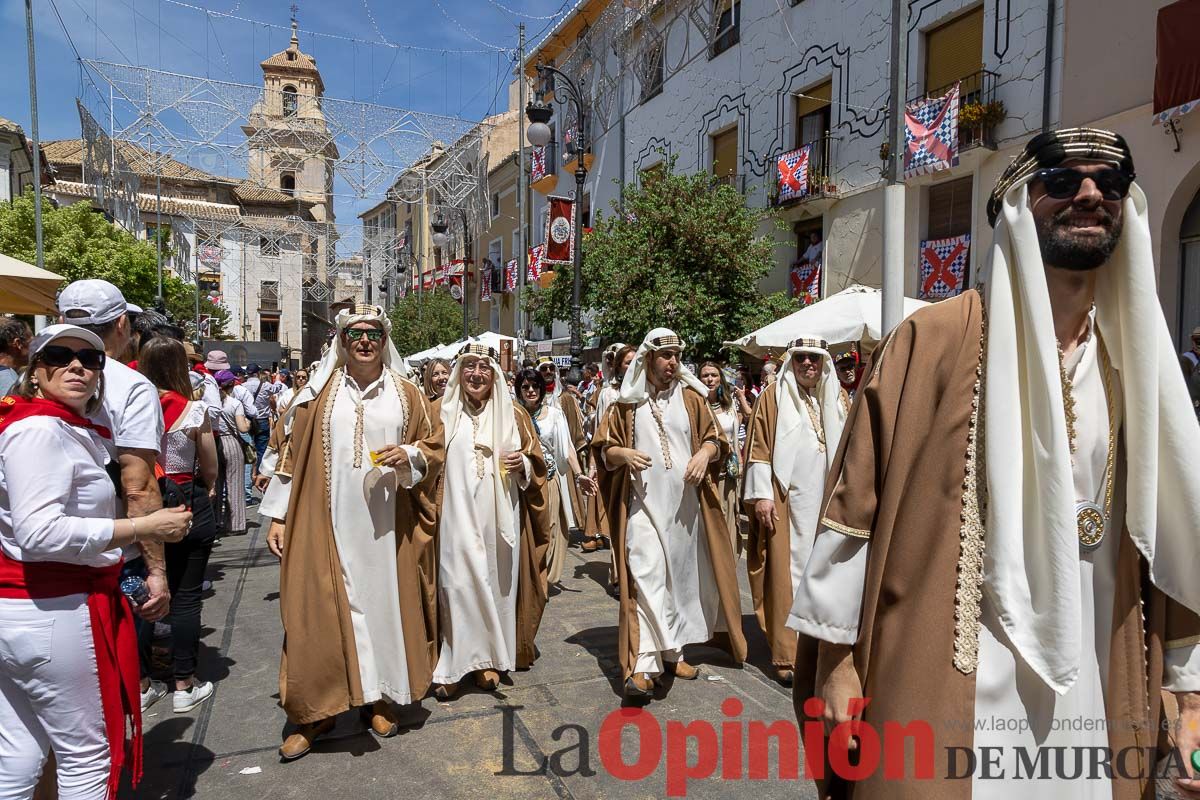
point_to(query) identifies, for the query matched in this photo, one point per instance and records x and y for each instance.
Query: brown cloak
(616, 430)
(769, 554)
(570, 408)
(318, 672)
(898, 481)
(535, 539)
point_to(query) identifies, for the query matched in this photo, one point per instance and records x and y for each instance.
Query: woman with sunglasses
(189, 460)
(551, 427)
(68, 651)
(299, 381)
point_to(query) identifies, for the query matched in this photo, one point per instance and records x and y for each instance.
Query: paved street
(226, 749)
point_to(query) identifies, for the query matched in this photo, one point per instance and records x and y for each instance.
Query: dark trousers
(262, 438)
(187, 562)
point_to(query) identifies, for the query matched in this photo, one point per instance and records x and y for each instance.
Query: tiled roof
(249, 192)
(69, 152)
(301, 61)
(148, 203)
(8, 126)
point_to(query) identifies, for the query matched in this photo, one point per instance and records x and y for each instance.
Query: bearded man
(1061, 605)
(661, 450)
(353, 464)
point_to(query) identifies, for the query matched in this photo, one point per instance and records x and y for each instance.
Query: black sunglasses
(355, 334)
(813, 357)
(1062, 183)
(55, 355)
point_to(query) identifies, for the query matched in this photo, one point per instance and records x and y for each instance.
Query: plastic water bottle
(135, 589)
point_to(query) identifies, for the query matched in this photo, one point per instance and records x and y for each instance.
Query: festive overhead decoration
(931, 134)
(804, 281)
(943, 270)
(793, 174)
(535, 262)
(559, 247)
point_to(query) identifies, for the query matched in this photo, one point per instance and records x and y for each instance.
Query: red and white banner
(535, 262)
(943, 269)
(804, 281)
(510, 276)
(537, 164)
(559, 247)
(485, 281)
(931, 134)
(793, 174)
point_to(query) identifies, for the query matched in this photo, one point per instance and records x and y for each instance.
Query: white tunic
(1013, 707)
(555, 437)
(363, 512)
(666, 547)
(805, 487)
(477, 572)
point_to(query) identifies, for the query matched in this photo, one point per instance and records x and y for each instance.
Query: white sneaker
(151, 695)
(184, 702)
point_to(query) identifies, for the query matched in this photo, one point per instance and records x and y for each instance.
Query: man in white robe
(351, 446)
(675, 565)
(793, 435)
(492, 530)
(1076, 592)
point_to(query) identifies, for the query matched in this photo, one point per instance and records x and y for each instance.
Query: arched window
(287, 183)
(289, 101)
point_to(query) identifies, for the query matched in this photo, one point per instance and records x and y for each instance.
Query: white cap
(51, 333)
(99, 301)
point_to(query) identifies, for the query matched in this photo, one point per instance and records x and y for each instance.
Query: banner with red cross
(537, 164)
(510, 276)
(804, 281)
(943, 269)
(793, 174)
(535, 262)
(485, 281)
(931, 134)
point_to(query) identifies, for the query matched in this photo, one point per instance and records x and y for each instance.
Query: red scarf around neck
(14, 409)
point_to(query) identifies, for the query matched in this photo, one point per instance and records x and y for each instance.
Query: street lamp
(440, 238)
(539, 113)
(439, 231)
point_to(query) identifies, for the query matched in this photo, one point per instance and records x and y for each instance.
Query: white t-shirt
(131, 409)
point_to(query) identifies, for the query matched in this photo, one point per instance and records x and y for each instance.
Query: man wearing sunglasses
(352, 465)
(1009, 529)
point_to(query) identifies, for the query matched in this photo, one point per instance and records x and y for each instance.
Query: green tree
(422, 320)
(80, 244)
(685, 254)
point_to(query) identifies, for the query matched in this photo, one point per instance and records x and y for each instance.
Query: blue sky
(445, 79)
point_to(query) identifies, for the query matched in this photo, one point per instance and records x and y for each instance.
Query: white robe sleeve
(417, 465)
(828, 602)
(759, 482)
(1181, 668)
(527, 475)
(275, 499)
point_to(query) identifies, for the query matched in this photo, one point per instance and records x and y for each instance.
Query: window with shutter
(724, 154)
(954, 50)
(949, 209)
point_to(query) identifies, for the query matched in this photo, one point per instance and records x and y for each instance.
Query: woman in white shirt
(725, 408)
(551, 426)
(68, 652)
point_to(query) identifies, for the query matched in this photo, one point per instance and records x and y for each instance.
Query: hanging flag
(793, 174)
(943, 269)
(535, 262)
(805, 281)
(559, 247)
(931, 134)
(537, 164)
(510, 276)
(485, 281)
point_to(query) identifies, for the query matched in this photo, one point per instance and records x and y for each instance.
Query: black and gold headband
(664, 342)
(812, 344)
(481, 350)
(1053, 148)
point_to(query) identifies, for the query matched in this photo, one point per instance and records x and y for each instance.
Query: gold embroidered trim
(662, 433)
(844, 397)
(475, 445)
(398, 382)
(326, 432)
(968, 592)
(1187, 641)
(810, 405)
(857, 533)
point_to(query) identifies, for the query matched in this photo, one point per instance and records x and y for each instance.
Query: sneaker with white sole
(186, 701)
(152, 694)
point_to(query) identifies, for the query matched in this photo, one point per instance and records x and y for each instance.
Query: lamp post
(539, 113)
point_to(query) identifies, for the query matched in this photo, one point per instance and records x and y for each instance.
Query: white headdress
(1031, 555)
(497, 433)
(633, 387)
(828, 393)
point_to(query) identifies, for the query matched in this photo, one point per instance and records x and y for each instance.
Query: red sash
(14, 408)
(113, 638)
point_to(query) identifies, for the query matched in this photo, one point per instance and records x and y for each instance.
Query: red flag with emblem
(559, 247)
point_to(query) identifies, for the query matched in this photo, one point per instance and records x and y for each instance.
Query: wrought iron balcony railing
(979, 112)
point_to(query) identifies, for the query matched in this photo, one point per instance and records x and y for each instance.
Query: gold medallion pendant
(1090, 522)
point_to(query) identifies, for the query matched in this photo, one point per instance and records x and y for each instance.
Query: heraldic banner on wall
(510, 276)
(804, 281)
(793, 174)
(535, 262)
(559, 246)
(943, 269)
(931, 134)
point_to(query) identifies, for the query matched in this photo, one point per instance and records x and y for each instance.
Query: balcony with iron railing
(979, 112)
(819, 180)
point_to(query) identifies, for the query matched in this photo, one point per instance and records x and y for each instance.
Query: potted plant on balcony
(980, 117)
